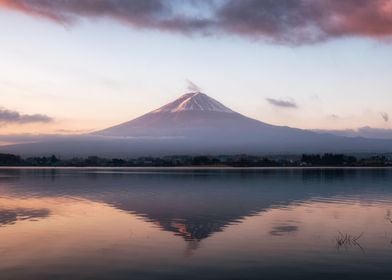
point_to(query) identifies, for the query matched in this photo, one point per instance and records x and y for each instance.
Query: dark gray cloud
(8, 116)
(279, 21)
(282, 103)
(153, 14)
(385, 116)
(68, 11)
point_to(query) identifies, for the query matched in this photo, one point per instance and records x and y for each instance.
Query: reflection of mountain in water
(11, 216)
(196, 204)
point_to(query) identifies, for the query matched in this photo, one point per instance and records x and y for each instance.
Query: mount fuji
(191, 115)
(198, 124)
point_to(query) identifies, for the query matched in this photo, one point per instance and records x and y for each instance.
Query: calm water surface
(195, 224)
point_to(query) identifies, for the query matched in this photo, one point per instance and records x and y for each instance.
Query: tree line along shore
(305, 160)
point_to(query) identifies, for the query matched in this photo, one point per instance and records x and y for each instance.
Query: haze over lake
(195, 223)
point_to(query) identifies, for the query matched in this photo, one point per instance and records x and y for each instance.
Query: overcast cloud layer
(293, 22)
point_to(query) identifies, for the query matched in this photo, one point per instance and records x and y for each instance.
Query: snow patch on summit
(195, 101)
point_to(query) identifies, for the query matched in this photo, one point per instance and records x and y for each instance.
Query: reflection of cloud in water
(11, 216)
(283, 230)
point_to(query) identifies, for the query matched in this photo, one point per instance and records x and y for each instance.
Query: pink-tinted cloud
(280, 21)
(306, 21)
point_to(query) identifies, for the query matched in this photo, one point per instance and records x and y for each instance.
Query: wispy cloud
(279, 21)
(8, 116)
(73, 131)
(366, 132)
(282, 103)
(192, 87)
(385, 116)
(333, 117)
(9, 139)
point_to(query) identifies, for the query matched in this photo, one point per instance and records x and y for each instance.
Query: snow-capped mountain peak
(194, 101)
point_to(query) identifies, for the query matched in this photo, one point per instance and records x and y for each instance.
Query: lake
(195, 223)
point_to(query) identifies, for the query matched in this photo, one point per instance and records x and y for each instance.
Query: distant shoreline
(202, 161)
(194, 167)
